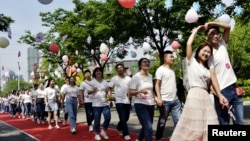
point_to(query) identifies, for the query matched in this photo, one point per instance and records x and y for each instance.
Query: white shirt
(71, 91)
(99, 97)
(139, 82)
(40, 93)
(223, 68)
(12, 99)
(50, 93)
(198, 75)
(63, 88)
(27, 98)
(85, 86)
(168, 87)
(121, 88)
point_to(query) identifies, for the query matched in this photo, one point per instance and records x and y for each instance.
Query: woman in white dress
(198, 111)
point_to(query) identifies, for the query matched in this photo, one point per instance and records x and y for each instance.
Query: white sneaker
(50, 127)
(38, 121)
(97, 137)
(73, 130)
(104, 135)
(90, 128)
(57, 127)
(127, 137)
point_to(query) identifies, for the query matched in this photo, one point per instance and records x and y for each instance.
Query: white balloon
(45, 1)
(191, 16)
(89, 63)
(4, 42)
(78, 70)
(65, 58)
(7, 74)
(104, 48)
(146, 47)
(225, 18)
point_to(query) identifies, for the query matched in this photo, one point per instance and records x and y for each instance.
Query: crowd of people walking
(208, 68)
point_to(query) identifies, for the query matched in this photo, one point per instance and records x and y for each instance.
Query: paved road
(10, 133)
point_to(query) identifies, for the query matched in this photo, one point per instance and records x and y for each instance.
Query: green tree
(5, 22)
(239, 50)
(244, 18)
(13, 85)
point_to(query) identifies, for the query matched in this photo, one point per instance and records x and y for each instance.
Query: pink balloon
(73, 69)
(104, 57)
(175, 45)
(191, 16)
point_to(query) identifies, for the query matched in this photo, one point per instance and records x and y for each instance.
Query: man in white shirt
(166, 91)
(224, 72)
(120, 83)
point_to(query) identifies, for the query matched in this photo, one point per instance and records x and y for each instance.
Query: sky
(26, 16)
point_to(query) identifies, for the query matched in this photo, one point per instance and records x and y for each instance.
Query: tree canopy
(5, 22)
(154, 21)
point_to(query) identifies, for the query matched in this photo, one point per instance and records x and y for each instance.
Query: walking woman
(100, 105)
(40, 104)
(51, 102)
(141, 87)
(198, 111)
(71, 93)
(27, 100)
(85, 87)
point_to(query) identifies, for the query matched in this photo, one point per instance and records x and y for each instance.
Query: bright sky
(26, 16)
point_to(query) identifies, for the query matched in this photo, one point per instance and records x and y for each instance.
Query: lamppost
(18, 75)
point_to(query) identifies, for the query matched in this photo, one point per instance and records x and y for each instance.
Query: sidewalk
(134, 125)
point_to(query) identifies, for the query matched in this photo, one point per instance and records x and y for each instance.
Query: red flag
(19, 54)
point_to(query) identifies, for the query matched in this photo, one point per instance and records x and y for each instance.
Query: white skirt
(52, 105)
(198, 112)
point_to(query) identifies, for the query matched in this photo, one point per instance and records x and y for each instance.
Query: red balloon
(175, 45)
(127, 3)
(54, 48)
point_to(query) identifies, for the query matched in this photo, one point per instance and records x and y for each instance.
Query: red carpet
(43, 134)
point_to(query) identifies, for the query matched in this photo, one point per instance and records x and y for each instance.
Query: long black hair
(201, 46)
